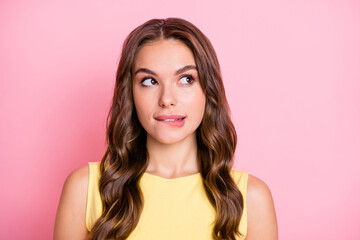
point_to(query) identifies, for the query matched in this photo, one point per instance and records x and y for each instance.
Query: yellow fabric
(173, 208)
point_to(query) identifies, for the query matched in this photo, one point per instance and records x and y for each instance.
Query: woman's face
(168, 97)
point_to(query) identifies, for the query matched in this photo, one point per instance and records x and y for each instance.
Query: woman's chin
(167, 139)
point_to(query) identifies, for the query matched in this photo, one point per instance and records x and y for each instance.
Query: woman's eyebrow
(184, 69)
(179, 71)
(145, 70)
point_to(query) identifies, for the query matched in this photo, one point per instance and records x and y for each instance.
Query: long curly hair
(126, 157)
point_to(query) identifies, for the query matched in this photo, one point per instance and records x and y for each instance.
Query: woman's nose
(167, 96)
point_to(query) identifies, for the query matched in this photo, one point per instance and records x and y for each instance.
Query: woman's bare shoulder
(76, 183)
(262, 223)
(70, 216)
(79, 177)
(257, 187)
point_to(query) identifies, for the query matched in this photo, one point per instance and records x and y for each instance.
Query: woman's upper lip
(164, 117)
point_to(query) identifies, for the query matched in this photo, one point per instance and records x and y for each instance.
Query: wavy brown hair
(126, 157)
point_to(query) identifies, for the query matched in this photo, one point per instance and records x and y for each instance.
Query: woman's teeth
(171, 120)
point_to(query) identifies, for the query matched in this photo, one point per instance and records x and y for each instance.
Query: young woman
(167, 172)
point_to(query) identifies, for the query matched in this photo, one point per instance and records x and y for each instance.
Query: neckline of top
(164, 179)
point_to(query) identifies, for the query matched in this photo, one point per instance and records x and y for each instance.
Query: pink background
(292, 75)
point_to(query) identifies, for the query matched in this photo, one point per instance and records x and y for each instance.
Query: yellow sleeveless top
(176, 208)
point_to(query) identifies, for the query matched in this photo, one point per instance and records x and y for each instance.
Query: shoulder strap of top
(241, 180)
(94, 204)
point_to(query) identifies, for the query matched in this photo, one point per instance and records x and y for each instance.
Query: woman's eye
(188, 79)
(148, 81)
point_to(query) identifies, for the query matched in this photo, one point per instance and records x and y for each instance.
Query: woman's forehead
(165, 52)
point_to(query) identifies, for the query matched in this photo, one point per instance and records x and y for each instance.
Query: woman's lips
(173, 120)
(169, 117)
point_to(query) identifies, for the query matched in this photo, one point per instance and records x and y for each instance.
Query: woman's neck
(172, 160)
